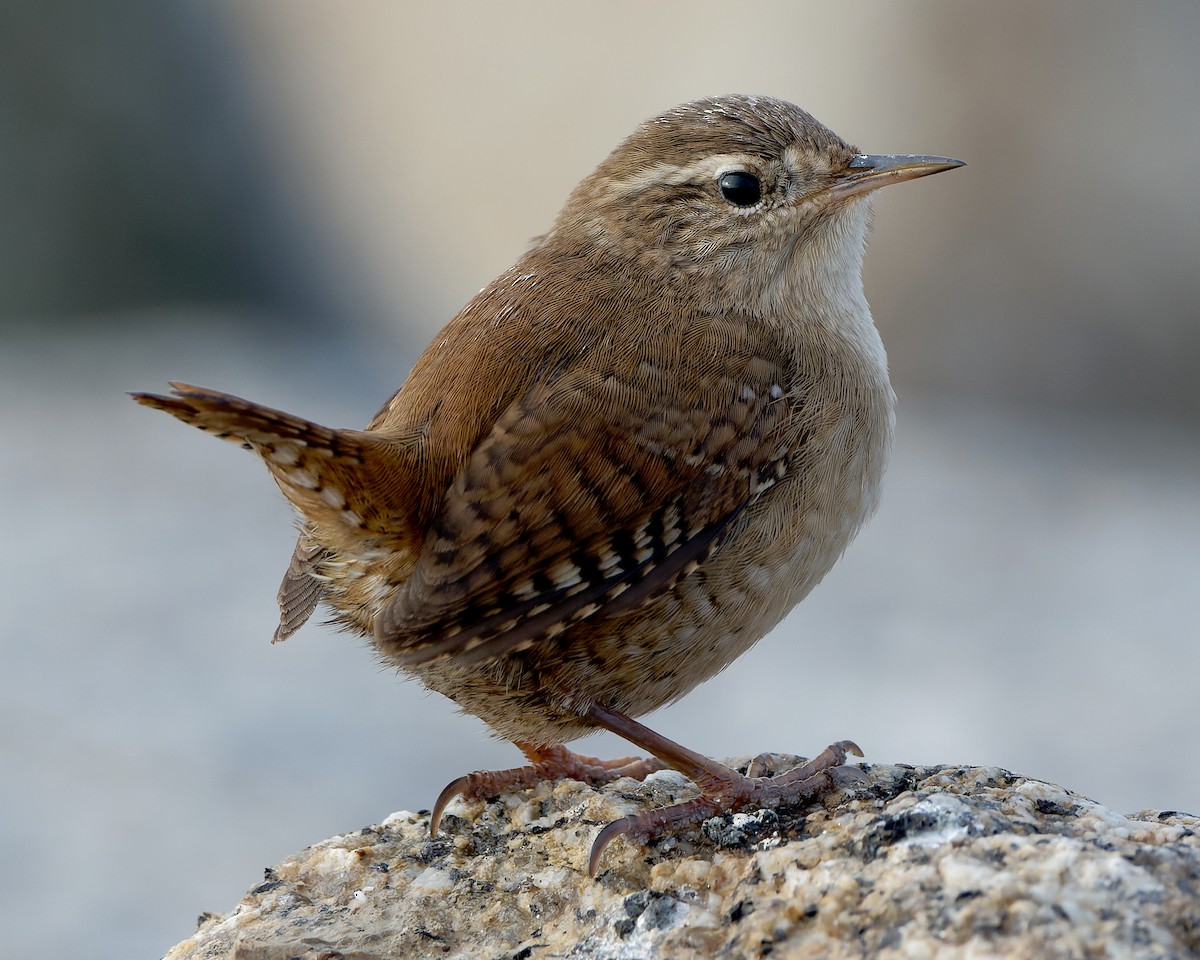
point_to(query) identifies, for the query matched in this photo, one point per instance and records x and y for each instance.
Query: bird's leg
(722, 789)
(554, 762)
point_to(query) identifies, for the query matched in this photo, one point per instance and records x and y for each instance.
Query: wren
(623, 462)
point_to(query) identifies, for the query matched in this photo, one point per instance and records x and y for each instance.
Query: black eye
(740, 188)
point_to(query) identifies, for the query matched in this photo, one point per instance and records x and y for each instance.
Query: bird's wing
(300, 591)
(597, 489)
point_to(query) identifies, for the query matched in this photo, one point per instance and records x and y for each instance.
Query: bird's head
(739, 197)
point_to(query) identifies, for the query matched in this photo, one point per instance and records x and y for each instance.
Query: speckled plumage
(630, 455)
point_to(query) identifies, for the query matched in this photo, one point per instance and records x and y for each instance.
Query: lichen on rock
(919, 862)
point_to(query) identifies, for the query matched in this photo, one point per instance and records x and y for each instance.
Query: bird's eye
(740, 188)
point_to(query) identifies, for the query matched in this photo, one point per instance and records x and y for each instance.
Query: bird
(621, 463)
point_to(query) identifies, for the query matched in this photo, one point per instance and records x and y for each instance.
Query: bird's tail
(319, 469)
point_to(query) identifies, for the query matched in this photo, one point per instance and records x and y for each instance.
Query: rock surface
(920, 862)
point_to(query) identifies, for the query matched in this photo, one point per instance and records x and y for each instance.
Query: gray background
(286, 200)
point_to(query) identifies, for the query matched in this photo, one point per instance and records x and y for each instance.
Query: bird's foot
(554, 762)
(724, 790)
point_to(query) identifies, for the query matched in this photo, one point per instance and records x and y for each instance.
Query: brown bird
(623, 462)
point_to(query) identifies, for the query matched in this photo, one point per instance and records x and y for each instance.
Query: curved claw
(763, 765)
(617, 828)
(847, 776)
(850, 747)
(451, 790)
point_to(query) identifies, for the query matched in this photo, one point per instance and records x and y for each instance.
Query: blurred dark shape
(133, 173)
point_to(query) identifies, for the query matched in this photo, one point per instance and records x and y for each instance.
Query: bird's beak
(869, 171)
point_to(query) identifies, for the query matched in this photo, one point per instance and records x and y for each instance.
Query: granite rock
(916, 862)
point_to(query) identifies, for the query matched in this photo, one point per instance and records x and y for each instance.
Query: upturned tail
(324, 472)
(318, 468)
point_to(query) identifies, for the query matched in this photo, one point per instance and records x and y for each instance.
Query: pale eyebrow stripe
(674, 174)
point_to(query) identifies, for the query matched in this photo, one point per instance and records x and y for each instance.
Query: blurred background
(286, 199)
